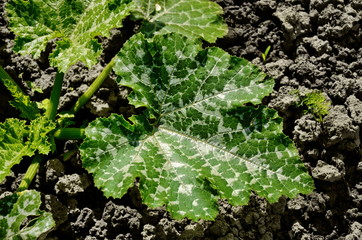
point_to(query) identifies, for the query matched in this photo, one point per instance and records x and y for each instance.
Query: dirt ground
(314, 45)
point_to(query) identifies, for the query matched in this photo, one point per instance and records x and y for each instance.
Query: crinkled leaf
(18, 140)
(203, 143)
(22, 102)
(76, 22)
(38, 135)
(192, 18)
(15, 209)
(12, 147)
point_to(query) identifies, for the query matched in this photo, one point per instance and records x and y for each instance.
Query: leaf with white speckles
(197, 141)
(15, 209)
(76, 22)
(192, 18)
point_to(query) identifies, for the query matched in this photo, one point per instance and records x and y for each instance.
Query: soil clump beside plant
(315, 45)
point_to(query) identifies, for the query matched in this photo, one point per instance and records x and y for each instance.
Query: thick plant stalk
(93, 87)
(69, 134)
(30, 173)
(50, 113)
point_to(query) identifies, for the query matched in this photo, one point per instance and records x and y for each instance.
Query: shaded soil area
(314, 45)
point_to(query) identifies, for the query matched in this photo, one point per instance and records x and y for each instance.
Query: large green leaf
(18, 140)
(15, 209)
(203, 143)
(192, 18)
(76, 22)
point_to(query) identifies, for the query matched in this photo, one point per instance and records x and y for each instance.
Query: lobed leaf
(15, 209)
(75, 24)
(197, 141)
(192, 18)
(18, 140)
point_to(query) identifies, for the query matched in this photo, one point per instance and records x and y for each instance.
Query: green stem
(93, 87)
(30, 173)
(51, 111)
(69, 134)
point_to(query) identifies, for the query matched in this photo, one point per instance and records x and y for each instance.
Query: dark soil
(315, 45)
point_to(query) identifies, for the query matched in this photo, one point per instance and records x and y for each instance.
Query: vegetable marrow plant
(203, 134)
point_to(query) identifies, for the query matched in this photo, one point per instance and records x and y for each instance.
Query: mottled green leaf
(14, 211)
(74, 23)
(192, 18)
(200, 142)
(18, 140)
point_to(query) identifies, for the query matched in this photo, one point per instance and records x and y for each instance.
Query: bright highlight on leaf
(191, 18)
(76, 22)
(204, 143)
(13, 147)
(15, 209)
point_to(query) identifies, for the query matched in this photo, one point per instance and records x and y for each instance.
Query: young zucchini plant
(196, 141)
(315, 103)
(264, 55)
